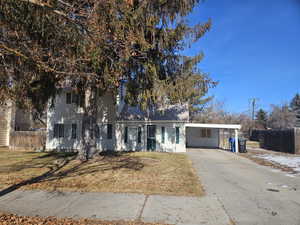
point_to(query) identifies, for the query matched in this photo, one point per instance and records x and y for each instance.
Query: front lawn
(136, 172)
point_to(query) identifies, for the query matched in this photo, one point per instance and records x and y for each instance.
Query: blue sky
(253, 50)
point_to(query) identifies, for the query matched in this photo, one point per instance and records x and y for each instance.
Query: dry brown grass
(252, 144)
(10, 219)
(139, 172)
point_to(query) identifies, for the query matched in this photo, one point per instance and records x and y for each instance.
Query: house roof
(220, 126)
(177, 112)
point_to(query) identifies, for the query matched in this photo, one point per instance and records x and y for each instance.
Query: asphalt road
(250, 193)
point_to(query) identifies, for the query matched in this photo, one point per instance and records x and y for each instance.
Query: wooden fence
(287, 140)
(28, 140)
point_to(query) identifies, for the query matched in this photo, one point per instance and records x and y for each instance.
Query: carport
(199, 135)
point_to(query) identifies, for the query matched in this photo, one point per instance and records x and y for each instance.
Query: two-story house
(121, 127)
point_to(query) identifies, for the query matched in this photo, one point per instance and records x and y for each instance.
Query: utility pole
(253, 102)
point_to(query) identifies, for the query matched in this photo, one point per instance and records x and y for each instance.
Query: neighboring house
(124, 128)
(5, 124)
(12, 119)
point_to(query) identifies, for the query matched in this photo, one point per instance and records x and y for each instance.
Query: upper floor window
(68, 98)
(77, 99)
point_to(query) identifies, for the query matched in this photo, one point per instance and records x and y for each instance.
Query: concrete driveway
(250, 193)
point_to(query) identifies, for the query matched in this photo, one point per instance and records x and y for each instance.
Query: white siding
(5, 122)
(132, 140)
(132, 144)
(194, 138)
(69, 114)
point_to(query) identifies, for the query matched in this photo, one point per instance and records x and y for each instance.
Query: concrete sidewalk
(116, 206)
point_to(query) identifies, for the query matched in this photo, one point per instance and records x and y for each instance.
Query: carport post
(236, 141)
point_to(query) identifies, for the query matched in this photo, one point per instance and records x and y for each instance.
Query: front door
(151, 137)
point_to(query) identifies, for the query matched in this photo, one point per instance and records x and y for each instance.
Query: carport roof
(218, 126)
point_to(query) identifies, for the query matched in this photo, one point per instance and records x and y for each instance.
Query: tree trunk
(89, 124)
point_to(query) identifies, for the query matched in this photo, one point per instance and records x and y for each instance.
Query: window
(61, 131)
(177, 135)
(58, 130)
(75, 98)
(206, 133)
(82, 100)
(126, 135)
(74, 131)
(163, 135)
(68, 98)
(139, 135)
(109, 131)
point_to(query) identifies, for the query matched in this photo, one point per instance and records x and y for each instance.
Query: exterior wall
(69, 114)
(194, 138)
(5, 115)
(132, 144)
(132, 141)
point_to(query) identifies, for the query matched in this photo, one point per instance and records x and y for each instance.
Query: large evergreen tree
(96, 44)
(295, 107)
(261, 118)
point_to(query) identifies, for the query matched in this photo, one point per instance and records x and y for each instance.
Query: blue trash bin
(232, 144)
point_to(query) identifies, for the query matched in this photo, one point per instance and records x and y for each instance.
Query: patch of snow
(289, 175)
(292, 162)
(275, 170)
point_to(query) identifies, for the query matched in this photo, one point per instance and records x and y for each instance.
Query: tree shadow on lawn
(105, 161)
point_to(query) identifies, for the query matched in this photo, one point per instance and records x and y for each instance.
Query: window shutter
(177, 135)
(139, 135)
(109, 131)
(163, 135)
(74, 131)
(126, 135)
